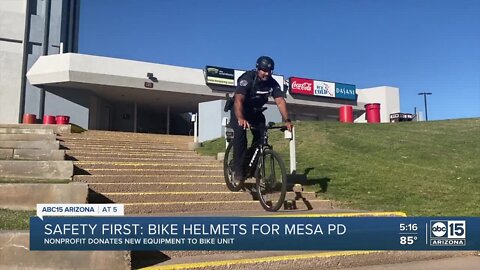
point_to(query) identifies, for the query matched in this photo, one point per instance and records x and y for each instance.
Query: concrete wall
(12, 27)
(71, 102)
(211, 114)
(37, 26)
(388, 97)
(13, 15)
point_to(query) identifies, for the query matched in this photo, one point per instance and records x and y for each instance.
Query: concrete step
(112, 148)
(27, 196)
(157, 187)
(127, 150)
(188, 159)
(38, 154)
(148, 178)
(111, 142)
(169, 207)
(47, 144)
(181, 196)
(57, 129)
(36, 169)
(15, 254)
(6, 154)
(121, 145)
(28, 137)
(149, 171)
(10, 130)
(108, 135)
(86, 165)
(133, 154)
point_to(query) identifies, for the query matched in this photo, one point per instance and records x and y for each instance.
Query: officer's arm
(238, 109)
(282, 107)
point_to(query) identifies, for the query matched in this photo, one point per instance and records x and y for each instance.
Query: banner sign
(228, 77)
(345, 91)
(301, 86)
(255, 233)
(220, 76)
(324, 89)
(309, 87)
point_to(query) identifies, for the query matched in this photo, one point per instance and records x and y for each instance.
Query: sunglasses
(265, 69)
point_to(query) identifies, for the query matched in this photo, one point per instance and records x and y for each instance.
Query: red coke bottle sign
(301, 86)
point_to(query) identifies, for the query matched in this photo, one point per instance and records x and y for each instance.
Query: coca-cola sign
(301, 86)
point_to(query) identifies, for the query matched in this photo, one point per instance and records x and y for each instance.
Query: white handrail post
(293, 154)
(195, 128)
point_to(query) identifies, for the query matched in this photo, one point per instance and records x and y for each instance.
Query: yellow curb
(261, 260)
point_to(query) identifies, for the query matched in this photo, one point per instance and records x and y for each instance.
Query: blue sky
(415, 45)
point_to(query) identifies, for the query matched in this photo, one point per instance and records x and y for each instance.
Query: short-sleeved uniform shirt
(256, 91)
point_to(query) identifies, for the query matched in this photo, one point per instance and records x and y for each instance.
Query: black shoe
(238, 178)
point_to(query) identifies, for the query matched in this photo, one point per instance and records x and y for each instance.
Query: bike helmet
(265, 63)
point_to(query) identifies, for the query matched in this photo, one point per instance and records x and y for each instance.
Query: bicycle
(266, 166)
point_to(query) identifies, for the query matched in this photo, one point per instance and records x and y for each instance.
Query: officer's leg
(239, 147)
(258, 133)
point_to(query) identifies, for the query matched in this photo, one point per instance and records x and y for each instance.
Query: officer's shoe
(238, 178)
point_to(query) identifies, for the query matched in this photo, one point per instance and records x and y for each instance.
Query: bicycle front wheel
(271, 181)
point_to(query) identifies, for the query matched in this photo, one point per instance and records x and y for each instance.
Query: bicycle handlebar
(282, 128)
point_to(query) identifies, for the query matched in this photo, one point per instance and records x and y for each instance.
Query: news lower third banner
(254, 233)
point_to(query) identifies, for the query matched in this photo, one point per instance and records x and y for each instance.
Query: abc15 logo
(451, 229)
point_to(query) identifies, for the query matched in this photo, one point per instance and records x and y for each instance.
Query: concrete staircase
(156, 174)
(33, 169)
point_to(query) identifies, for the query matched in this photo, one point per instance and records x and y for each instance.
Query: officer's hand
(244, 123)
(289, 125)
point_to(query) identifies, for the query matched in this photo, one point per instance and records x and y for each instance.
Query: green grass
(421, 168)
(15, 220)
(76, 128)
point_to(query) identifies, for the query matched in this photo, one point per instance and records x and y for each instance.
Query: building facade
(38, 41)
(30, 29)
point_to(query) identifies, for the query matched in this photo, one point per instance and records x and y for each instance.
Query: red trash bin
(62, 120)
(346, 114)
(29, 118)
(49, 119)
(372, 112)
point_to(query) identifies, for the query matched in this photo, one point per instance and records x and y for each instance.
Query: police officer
(252, 92)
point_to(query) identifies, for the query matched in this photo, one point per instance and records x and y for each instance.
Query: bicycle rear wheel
(271, 183)
(232, 185)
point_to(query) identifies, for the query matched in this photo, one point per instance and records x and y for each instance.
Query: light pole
(425, 94)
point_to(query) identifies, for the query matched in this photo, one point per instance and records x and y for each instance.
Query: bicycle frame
(253, 164)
